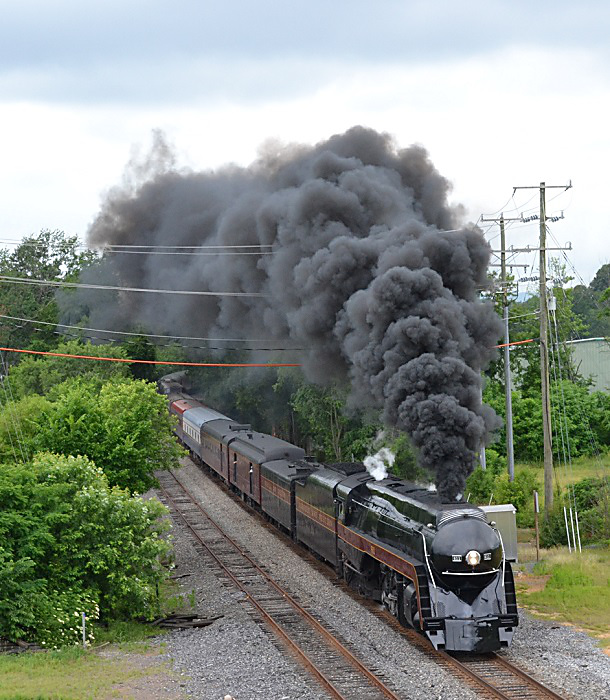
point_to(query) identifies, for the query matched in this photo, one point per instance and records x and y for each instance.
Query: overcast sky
(500, 93)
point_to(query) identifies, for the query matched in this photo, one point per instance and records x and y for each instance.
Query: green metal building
(592, 359)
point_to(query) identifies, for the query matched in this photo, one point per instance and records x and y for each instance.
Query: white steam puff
(364, 270)
(377, 465)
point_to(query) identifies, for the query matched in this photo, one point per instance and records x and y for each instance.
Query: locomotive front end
(471, 584)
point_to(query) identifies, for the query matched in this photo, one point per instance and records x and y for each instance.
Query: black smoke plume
(368, 275)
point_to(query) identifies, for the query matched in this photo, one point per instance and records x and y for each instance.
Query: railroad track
(502, 679)
(326, 657)
(491, 676)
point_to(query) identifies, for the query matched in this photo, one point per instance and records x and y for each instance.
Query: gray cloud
(152, 51)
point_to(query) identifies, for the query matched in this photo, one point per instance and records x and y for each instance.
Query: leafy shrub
(495, 462)
(405, 464)
(592, 499)
(70, 544)
(39, 375)
(519, 493)
(485, 486)
(124, 427)
(587, 492)
(59, 618)
(21, 419)
(553, 528)
(480, 486)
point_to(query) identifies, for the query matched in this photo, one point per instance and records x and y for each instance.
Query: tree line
(80, 441)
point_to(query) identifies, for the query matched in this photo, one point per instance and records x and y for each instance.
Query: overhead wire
(190, 254)
(221, 246)
(152, 335)
(81, 285)
(563, 427)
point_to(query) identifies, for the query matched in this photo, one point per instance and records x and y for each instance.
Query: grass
(581, 468)
(76, 674)
(69, 674)
(129, 635)
(571, 588)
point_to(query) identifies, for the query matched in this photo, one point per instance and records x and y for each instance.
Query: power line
(186, 247)
(177, 252)
(147, 335)
(108, 339)
(80, 285)
(35, 243)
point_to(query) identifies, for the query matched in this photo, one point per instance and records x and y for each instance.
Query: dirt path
(152, 678)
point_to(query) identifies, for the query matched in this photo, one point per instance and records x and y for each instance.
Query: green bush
(591, 498)
(587, 492)
(405, 463)
(59, 618)
(39, 375)
(70, 544)
(490, 485)
(480, 486)
(553, 528)
(519, 492)
(124, 427)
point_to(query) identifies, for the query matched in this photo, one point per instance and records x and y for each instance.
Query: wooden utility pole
(547, 435)
(544, 352)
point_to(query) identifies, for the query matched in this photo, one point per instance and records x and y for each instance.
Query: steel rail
(465, 666)
(497, 691)
(305, 660)
(529, 679)
(344, 651)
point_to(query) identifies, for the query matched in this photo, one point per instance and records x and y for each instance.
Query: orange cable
(157, 362)
(517, 342)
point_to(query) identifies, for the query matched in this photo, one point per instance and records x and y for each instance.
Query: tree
(69, 543)
(124, 427)
(322, 417)
(50, 256)
(39, 375)
(525, 360)
(20, 427)
(601, 281)
(605, 300)
(140, 348)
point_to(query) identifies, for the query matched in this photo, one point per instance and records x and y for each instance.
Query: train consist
(438, 567)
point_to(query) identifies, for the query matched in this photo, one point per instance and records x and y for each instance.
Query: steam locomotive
(438, 567)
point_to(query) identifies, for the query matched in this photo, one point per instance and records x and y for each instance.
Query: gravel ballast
(236, 656)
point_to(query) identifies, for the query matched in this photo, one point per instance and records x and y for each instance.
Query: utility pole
(544, 351)
(510, 453)
(547, 434)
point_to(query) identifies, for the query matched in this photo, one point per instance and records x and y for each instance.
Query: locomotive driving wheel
(389, 594)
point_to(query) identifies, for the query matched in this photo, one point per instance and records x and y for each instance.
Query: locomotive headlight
(473, 557)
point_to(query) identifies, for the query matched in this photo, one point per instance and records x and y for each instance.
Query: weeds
(577, 591)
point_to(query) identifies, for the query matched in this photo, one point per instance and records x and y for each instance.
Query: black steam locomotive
(438, 567)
